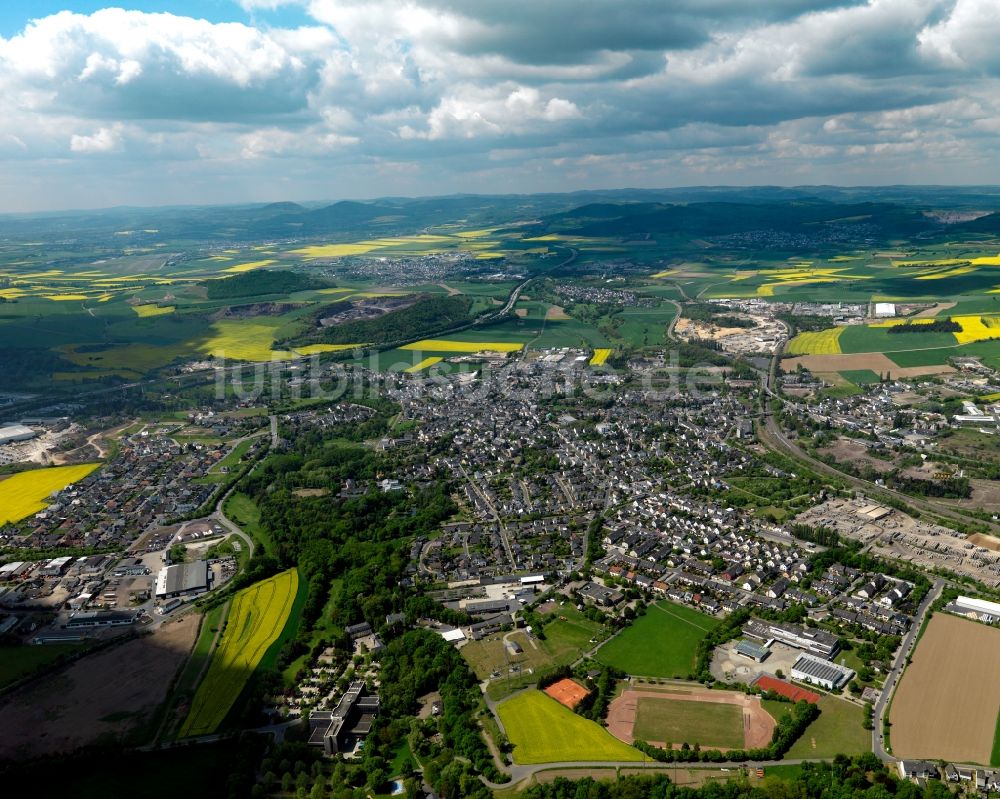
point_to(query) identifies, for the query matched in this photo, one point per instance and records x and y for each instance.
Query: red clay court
(786, 689)
(567, 692)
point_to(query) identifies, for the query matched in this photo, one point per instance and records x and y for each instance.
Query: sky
(222, 101)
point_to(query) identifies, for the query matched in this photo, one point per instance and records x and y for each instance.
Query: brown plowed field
(846, 362)
(100, 695)
(947, 702)
(758, 726)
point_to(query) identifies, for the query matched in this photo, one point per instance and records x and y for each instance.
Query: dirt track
(946, 704)
(100, 695)
(758, 726)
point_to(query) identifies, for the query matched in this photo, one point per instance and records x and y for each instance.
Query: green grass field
(20, 661)
(838, 730)
(860, 377)
(706, 723)
(543, 731)
(663, 643)
(565, 641)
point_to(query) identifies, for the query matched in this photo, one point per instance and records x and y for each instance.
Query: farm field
(838, 730)
(257, 618)
(710, 725)
(451, 345)
(934, 713)
(108, 695)
(543, 731)
(822, 342)
(662, 643)
(20, 661)
(600, 356)
(24, 493)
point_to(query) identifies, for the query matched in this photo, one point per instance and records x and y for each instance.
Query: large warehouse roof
(822, 670)
(16, 432)
(182, 577)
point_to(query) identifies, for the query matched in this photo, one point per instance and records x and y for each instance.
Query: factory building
(11, 434)
(182, 579)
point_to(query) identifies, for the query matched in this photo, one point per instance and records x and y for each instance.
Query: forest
(260, 282)
(424, 318)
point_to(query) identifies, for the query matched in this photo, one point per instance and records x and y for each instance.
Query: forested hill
(425, 318)
(261, 282)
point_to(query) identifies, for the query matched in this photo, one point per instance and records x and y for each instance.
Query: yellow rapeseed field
(822, 342)
(977, 328)
(243, 341)
(424, 364)
(316, 349)
(897, 322)
(256, 620)
(600, 356)
(152, 309)
(24, 493)
(447, 345)
(250, 265)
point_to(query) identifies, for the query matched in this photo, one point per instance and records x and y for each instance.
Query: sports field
(680, 713)
(662, 643)
(24, 493)
(712, 726)
(543, 731)
(947, 703)
(258, 616)
(567, 692)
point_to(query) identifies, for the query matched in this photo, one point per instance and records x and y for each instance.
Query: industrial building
(980, 609)
(816, 642)
(341, 729)
(817, 671)
(14, 433)
(182, 579)
(102, 618)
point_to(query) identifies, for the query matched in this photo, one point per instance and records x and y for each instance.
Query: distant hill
(261, 282)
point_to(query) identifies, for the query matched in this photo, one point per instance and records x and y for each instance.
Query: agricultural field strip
(24, 493)
(239, 653)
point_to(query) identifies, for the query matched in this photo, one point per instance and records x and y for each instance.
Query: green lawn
(663, 643)
(543, 731)
(676, 721)
(860, 377)
(20, 661)
(838, 730)
(243, 511)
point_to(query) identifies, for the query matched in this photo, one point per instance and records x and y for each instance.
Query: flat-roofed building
(340, 729)
(823, 673)
(815, 642)
(182, 579)
(16, 432)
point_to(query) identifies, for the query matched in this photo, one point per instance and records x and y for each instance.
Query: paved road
(520, 773)
(891, 680)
